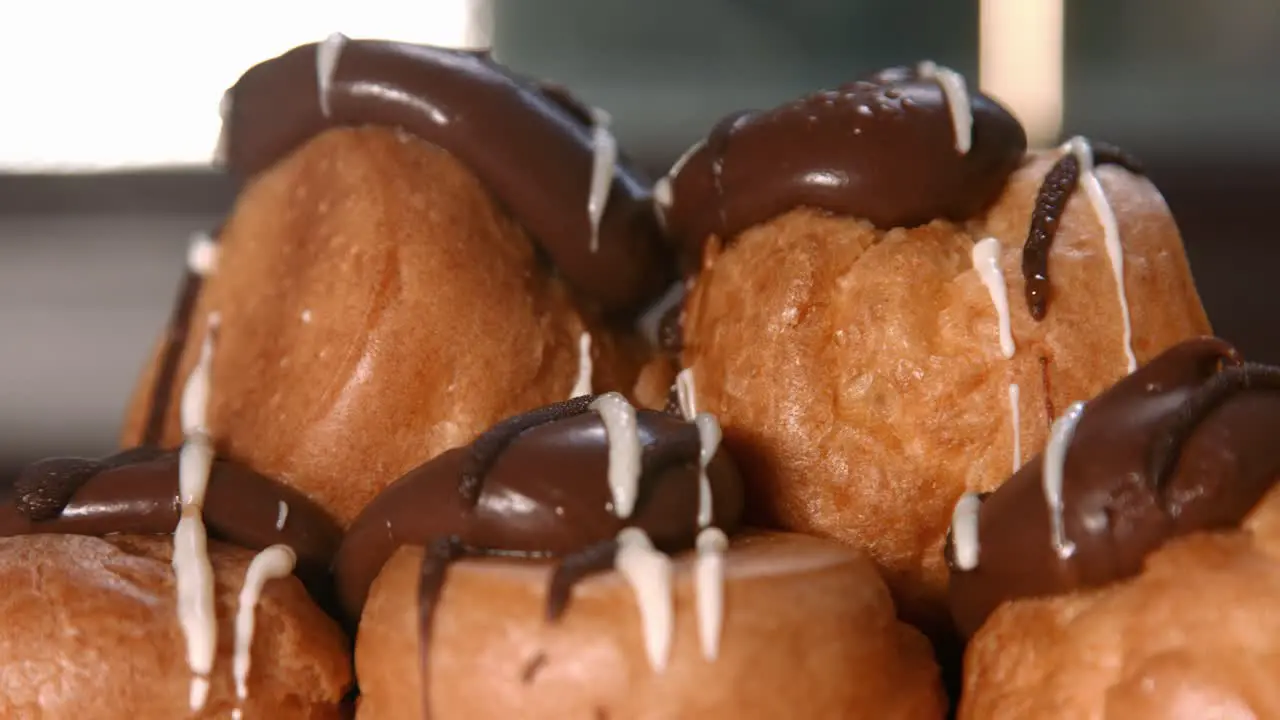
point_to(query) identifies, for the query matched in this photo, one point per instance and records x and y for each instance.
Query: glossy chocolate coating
(530, 144)
(136, 493)
(545, 495)
(1058, 186)
(883, 149)
(1126, 488)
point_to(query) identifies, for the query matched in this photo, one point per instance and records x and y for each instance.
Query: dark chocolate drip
(1051, 202)
(882, 149)
(1059, 185)
(486, 449)
(175, 340)
(136, 492)
(575, 568)
(435, 564)
(1108, 154)
(1182, 445)
(544, 494)
(1167, 449)
(529, 143)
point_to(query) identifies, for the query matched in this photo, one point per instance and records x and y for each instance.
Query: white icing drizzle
(1080, 147)
(202, 255)
(282, 515)
(708, 581)
(649, 574)
(604, 157)
(1015, 416)
(1055, 459)
(662, 197)
(220, 149)
(953, 88)
(624, 450)
(709, 436)
(964, 531)
(986, 260)
(272, 563)
(582, 386)
(192, 569)
(650, 322)
(686, 394)
(328, 53)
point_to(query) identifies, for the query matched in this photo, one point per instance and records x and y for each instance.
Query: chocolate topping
(882, 149)
(136, 492)
(529, 143)
(170, 355)
(1184, 444)
(1051, 201)
(544, 494)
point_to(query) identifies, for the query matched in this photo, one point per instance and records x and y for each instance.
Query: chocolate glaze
(882, 148)
(544, 495)
(170, 355)
(136, 493)
(529, 143)
(1184, 444)
(1059, 185)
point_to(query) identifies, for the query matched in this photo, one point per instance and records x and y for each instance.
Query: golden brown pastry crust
(91, 631)
(377, 307)
(1196, 635)
(809, 631)
(858, 373)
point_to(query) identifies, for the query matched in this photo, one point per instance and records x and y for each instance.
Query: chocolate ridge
(544, 496)
(881, 149)
(526, 142)
(1057, 188)
(136, 492)
(1184, 444)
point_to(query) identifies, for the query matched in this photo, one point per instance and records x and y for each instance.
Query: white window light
(136, 83)
(1020, 62)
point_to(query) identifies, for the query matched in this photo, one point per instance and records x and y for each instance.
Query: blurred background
(109, 115)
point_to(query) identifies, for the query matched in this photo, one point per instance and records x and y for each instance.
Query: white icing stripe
(202, 255)
(1079, 147)
(272, 563)
(196, 615)
(686, 394)
(282, 515)
(1055, 459)
(964, 531)
(1015, 417)
(624, 450)
(708, 581)
(649, 574)
(328, 53)
(582, 386)
(986, 260)
(219, 158)
(662, 193)
(192, 569)
(604, 157)
(708, 443)
(650, 323)
(953, 88)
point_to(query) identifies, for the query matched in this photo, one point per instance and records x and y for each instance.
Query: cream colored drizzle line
(964, 531)
(272, 563)
(328, 54)
(1055, 460)
(647, 570)
(191, 565)
(604, 159)
(582, 386)
(1080, 148)
(953, 88)
(202, 255)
